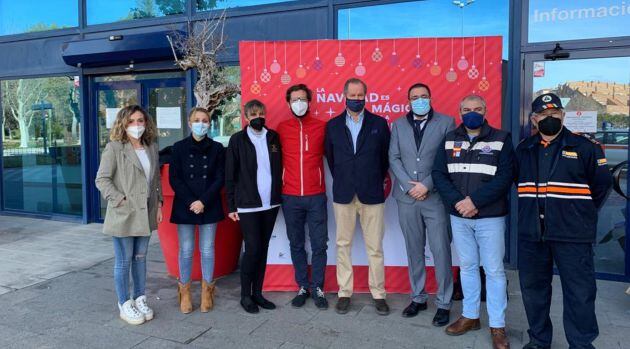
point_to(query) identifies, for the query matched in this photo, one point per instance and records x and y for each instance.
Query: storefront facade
(55, 115)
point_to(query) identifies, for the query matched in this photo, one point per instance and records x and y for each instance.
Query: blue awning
(118, 49)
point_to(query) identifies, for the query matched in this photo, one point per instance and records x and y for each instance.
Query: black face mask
(550, 126)
(257, 123)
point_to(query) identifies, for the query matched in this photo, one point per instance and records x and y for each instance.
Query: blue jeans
(130, 251)
(311, 210)
(186, 235)
(482, 242)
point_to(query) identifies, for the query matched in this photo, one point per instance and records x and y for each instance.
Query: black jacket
(577, 187)
(363, 173)
(241, 185)
(196, 172)
(481, 169)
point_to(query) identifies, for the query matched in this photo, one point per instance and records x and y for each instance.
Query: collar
(203, 143)
(361, 116)
(565, 138)
(411, 117)
(252, 133)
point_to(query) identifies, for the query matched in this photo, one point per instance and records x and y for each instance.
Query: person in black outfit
(196, 175)
(563, 180)
(253, 185)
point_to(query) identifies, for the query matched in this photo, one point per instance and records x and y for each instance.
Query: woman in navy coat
(197, 175)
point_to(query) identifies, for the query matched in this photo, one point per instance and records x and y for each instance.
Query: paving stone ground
(57, 291)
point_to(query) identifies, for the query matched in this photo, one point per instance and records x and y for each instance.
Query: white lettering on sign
(558, 14)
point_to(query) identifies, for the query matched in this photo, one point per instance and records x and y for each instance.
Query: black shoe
(343, 305)
(319, 298)
(532, 345)
(413, 309)
(249, 306)
(441, 318)
(301, 297)
(262, 302)
(381, 307)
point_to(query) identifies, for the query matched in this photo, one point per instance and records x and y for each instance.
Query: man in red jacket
(304, 193)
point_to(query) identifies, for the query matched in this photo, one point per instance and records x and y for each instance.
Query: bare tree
(199, 50)
(18, 98)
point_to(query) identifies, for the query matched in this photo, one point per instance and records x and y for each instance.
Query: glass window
(226, 120)
(448, 18)
(557, 20)
(109, 11)
(42, 145)
(207, 5)
(33, 16)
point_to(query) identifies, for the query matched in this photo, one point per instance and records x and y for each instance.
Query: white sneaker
(141, 305)
(130, 314)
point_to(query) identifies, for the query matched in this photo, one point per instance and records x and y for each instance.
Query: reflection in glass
(33, 16)
(108, 11)
(207, 5)
(42, 145)
(226, 120)
(599, 87)
(400, 20)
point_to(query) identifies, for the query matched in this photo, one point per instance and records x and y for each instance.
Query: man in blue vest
(357, 145)
(473, 174)
(563, 180)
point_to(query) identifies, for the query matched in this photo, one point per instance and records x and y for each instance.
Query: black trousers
(577, 276)
(256, 228)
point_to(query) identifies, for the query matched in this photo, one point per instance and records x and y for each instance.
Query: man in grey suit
(415, 140)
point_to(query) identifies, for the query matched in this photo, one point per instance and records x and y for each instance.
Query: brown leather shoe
(183, 296)
(462, 325)
(499, 338)
(207, 296)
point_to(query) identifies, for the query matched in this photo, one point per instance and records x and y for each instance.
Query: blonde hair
(119, 129)
(198, 110)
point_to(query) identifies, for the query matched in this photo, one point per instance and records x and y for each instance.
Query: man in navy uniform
(563, 180)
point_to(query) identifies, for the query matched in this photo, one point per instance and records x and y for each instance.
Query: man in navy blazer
(357, 145)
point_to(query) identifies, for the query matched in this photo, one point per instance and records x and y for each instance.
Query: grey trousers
(420, 221)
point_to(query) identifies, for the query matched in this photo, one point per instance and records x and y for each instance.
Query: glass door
(595, 90)
(163, 95)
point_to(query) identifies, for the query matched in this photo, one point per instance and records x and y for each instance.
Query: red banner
(452, 67)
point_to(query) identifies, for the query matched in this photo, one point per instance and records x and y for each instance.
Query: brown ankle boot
(183, 296)
(207, 296)
(499, 338)
(463, 325)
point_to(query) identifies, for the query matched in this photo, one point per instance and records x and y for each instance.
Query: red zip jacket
(302, 156)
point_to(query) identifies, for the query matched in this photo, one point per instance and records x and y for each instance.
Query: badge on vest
(457, 149)
(602, 162)
(569, 154)
(486, 150)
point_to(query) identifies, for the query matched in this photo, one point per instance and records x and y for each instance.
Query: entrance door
(163, 95)
(594, 87)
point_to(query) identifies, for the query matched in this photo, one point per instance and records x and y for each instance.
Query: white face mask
(299, 108)
(135, 131)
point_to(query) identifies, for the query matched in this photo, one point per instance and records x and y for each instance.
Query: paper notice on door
(581, 121)
(110, 116)
(169, 117)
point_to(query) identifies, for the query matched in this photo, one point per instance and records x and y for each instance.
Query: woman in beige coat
(129, 179)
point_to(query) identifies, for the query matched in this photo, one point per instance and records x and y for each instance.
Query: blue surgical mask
(355, 105)
(472, 120)
(421, 106)
(199, 129)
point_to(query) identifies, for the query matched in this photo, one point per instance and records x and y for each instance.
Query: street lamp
(461, 4)
(44, 107)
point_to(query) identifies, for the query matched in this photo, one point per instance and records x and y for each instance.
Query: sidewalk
(58, 293)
